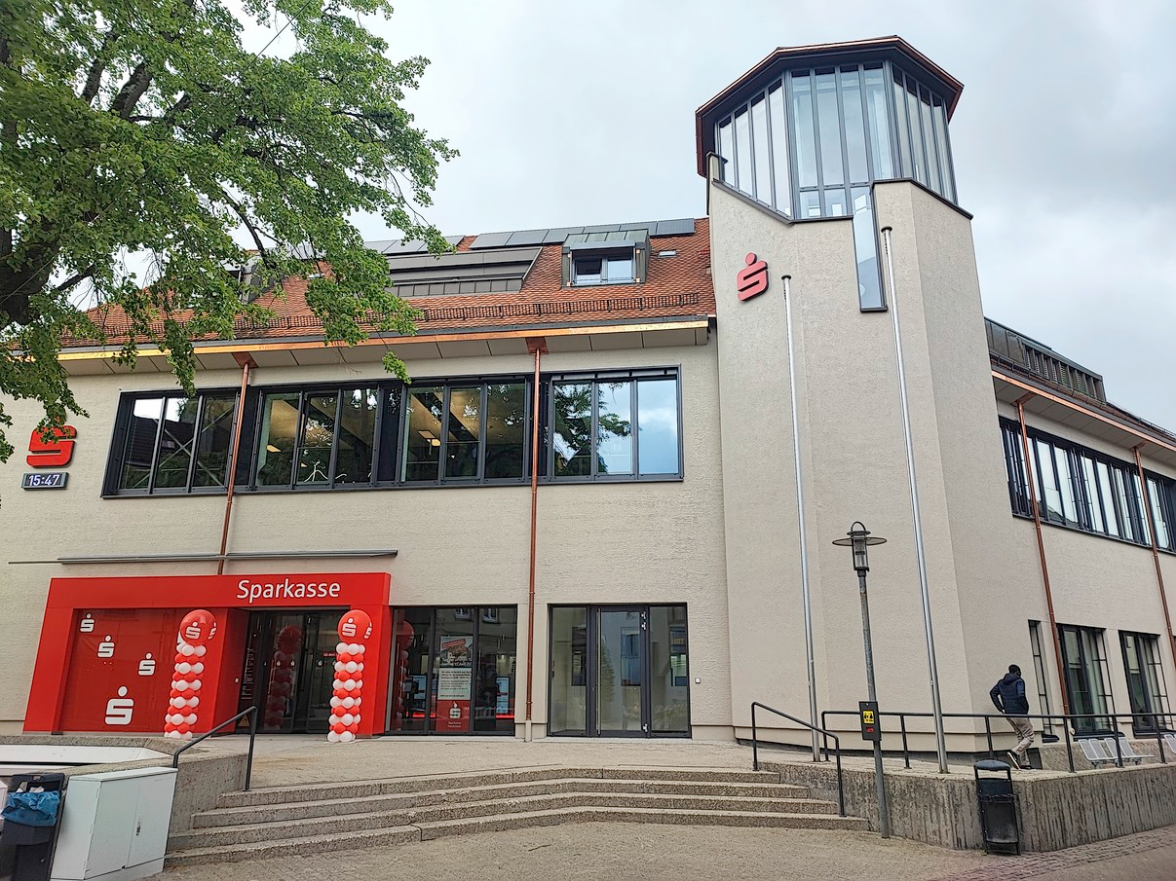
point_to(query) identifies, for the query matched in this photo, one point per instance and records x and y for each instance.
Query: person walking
(1009, 697)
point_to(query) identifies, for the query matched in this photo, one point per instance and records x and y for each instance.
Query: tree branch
(262, 251)
(97, 69)
(74, 279)
(128, 96)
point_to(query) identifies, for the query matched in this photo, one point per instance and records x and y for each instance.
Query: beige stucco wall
(639, 543)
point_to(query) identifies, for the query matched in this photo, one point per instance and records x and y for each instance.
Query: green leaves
(131, 126)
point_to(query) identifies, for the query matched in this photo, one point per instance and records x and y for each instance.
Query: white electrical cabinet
(114, 826)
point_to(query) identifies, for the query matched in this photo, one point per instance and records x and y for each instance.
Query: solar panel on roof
(527, 237)
(490, 240)
(558, 235)
(636, 226)
(683, 227)
(602, 227)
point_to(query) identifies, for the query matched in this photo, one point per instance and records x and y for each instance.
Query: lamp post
(858, 538)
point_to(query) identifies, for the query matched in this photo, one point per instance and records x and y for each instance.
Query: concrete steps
(319, 819)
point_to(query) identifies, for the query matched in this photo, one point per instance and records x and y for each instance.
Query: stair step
(433, 782)
(287, 847)
(272, 831)
(303, 810)
(326, 843)
(500, 822)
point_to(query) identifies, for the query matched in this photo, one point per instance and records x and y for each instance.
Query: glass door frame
(591, 667)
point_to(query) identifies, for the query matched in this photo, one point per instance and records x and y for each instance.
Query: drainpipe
(537, 346)
(805, 593)
(1053, 624)
(246, 362)
(1151, 525)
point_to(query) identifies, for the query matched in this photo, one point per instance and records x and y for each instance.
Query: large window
(623, 426)
(466, 433)
(601, 269)
(1087, 681)
(1084, 489)
(1043, 702)
(1145, 681)
(320, 438)
(172, 444)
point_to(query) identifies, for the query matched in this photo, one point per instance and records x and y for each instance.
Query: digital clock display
(51, 480)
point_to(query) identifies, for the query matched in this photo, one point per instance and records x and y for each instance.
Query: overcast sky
(570, 113)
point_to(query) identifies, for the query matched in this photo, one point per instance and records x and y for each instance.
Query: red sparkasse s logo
(753, 279)
(55, 452)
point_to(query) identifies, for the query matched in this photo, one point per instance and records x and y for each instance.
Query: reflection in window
(804, 135)
(830, 130)
(607, 269)
(1084, 661)
(743, 152)
(865, 246)
(763, 155)
(357, 435)
(779, 132)
(173, 443)
(615, 427)
(1145, 678)
(506, 423)
(279, 429)
(478, 431)
(727, 152)
(855, 131)
(463, 432)
(879, 127)
(318, 434)
(424, 410)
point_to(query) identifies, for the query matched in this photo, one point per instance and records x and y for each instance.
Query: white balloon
(198, 668)
(185, 667)
(181, 685)
(332, 737)
(340, 667)
(196, 684)
(174, 734)
(360, 668)
(338, 701)
(346, 719)
(177, 702)
(200, 650)
(338, 683)
(341, 647)
(354, 648)
(358, 684)
(348, 702)
(187, 735)
(193, 701)
(187, 650)
(346, 737)
(190, 718)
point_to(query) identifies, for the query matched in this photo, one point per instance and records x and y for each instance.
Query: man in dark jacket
(1009, 697)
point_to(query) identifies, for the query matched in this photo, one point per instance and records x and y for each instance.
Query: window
(1043, 703)
(1084, 489)
(466, 433)
(1087, 682)
(172, 443)
(319, 438)
(621, 426)
(597, 269)
(1145, 680)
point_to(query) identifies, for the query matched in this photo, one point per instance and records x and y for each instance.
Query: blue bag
(32, 808)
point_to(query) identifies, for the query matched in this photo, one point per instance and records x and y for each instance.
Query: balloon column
(196, 629)
(281, 679)
(355, 628)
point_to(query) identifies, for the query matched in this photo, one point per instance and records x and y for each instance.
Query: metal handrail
(822, 731)
(1067, 719)
(252, 714)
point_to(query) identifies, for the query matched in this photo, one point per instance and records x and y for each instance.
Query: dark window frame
(116, 456)
(604, 255)
(1091, 726)
(1132, 522)
(633, 376)
(1161, 711)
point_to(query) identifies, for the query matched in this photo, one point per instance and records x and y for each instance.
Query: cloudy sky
(569, 113)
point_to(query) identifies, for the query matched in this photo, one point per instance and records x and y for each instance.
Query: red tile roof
(675, 287)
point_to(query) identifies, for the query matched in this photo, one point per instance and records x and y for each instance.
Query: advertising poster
(454, 683)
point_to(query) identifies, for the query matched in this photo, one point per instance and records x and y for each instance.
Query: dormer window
(600, 269)
(603, 258)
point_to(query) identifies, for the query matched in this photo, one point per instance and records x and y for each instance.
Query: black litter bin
(998, 808)
(31, 815)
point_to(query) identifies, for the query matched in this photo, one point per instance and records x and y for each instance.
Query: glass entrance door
(619, 671)
(289, 669)
(621, 705)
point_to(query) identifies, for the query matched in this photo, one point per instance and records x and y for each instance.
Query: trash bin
(31, 813)
(998, 808)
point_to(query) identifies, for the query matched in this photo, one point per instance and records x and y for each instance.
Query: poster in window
(454, 680)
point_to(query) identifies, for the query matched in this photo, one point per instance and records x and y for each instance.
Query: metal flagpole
(804, 574)
(936, 705)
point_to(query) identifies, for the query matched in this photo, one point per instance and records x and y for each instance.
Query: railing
(1157, 730)
(252, 714)
(826, 734)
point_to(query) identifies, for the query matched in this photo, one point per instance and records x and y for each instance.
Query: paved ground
(282, 760)
(631, 852)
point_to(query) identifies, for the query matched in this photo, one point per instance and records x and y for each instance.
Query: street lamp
(859, 539)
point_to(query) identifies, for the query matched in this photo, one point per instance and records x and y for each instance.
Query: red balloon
(338, 727)
(290, 638)
(169, 726)
(175, 692)
(180, 659)
(197, 627)
(355, 626)
(189, 676)
(357, 657)
(341, 692)
(353, 728)
(344, 657)
(183, 728)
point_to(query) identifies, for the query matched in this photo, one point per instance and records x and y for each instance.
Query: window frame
(634, 377)
(1154, 663)
(1106, 694)
(116, 455)
(1126, 503)
(305, 391)
(604, 255)
(448, 384)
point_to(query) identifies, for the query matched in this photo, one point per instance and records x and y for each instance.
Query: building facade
(583, 517)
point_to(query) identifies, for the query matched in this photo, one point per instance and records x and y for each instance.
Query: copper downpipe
(1151, 525)
(1053, 624)
(246, 363)
(537, 346)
